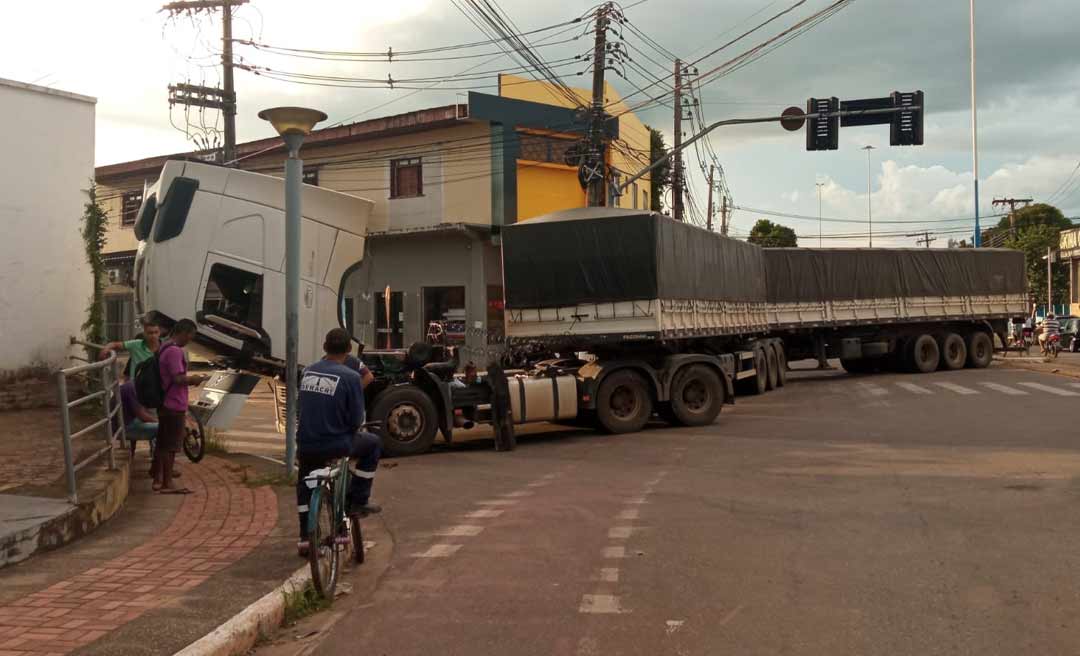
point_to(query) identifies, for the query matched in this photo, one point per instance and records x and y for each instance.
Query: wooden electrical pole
(594, 159)
(676, 165)
(712, 176)
(1012, 203)
(925, 238)
(223, 99)
(724, 215)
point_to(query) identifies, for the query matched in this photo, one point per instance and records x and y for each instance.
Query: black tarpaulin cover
(797, 275)
(604, 255)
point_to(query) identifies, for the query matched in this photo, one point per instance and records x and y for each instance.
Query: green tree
(94, 224)
(1036, 228)
(772, 235)
(660, 178)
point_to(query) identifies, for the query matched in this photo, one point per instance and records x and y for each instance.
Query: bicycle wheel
(194, 438)
(357, 540)
(322, 540)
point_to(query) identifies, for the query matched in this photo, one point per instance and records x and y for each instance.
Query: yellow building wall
(117, 237)
(544, 188)
(627, 156)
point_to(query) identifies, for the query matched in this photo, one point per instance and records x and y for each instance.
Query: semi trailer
(623, 315)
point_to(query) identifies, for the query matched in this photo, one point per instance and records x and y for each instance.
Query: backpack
(148, 388)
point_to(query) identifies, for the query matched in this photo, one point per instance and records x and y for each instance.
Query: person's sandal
(302, 548)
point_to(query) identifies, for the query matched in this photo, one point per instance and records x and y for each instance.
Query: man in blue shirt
(331, 416)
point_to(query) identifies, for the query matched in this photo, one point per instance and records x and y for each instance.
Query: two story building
(444, 181)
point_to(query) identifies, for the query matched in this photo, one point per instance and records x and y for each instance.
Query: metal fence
(104, 375)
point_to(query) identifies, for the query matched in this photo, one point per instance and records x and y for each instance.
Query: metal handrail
(109, 394)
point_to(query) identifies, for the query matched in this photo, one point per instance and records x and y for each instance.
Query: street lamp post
(869, 207)
(819, 185)
(293, 124)
(974, 126)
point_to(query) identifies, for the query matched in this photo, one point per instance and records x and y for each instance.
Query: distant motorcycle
(1052, 347)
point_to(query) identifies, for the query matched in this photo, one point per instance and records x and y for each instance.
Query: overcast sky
(125, 53)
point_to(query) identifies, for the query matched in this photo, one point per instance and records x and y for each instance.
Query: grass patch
(216, 443)
(302, 603)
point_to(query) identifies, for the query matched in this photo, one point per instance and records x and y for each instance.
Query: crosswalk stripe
(959, 389)
(1004, 389)
(873, 390)
(1049, 389)
(912, 387)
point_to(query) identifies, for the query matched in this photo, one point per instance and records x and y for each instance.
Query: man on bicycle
(331, 416)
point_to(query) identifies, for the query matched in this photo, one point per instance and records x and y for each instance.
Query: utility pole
(974, 124)
(869, 206)
(724, 215)
(819, 185)
(1012, 203)
(223, 99)
(594, 161)
(712, 176)
(926, 238)
(1049, 279)
(676, 165)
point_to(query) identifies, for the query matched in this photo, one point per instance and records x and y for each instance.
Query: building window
(540, 148)
(634, 195)
(119, 318)
(446, 307)
(406, 178)
(130, 201)
(616, 197)
(234, 294)
(311, 177)
(645, 200)
(146, 218)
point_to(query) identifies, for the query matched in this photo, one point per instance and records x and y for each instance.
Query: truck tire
(953, 351)
(408, 418)
(697, 395)
(755, 385)
(781, 363)
(922, 354)
(771, 367)
(980, 350)
(623, 403)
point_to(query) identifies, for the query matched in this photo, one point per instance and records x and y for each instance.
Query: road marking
(497, 502)
(520, 493)
(1049, 389)
(600, 604)
(632, 513)
(673, 625)
(912, 387)
(1004, 389)
(609, 574)
(873, 390)
(614, 552)
(461, 530)
(537, 484)
(483, 514)
(439, 551)
(548, 477)
(636, 501)
(620, 532)
(959, 389)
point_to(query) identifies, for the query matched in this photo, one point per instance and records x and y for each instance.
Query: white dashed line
(483, 514)
(1050, 389)
(912, 387)
(959, 389)
(462, 530)
(1004, 389)
(518, 494)
(439, 551)
(600, 604)
(614, 552)
(631, 513)
(636, 501)
(620, 532)
(609, 574)
(873, 390)
(497, 502)
(537, 484)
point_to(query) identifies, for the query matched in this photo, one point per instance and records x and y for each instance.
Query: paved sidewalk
(1066, 364)
(166, 571)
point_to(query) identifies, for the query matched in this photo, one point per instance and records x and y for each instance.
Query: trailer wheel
(623, 404)
(772, 368)
(953, 351)
(409, 420)
(980, 350)
(697, 395)
(757, 384)
(922, 354)
(781, 363)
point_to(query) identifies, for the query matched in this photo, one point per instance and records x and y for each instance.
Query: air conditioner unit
(114, 276)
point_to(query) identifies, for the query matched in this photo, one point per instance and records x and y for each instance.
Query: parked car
(1070, 333)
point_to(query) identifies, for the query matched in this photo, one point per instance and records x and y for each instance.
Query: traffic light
(906, 127)
(823, 133)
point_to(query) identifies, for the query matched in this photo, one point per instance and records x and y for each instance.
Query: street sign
(792, 119)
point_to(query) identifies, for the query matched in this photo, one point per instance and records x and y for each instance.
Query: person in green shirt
(139, 349)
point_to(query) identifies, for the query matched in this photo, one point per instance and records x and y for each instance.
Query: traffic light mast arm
(622, 187)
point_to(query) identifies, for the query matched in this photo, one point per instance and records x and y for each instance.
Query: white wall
(48, 160)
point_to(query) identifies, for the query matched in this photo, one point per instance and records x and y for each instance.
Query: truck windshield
(173, 213)
(145, 221)
(234, 294)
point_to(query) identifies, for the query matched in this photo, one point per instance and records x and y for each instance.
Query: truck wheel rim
(624, 402)
(695, 395)
(405, 422)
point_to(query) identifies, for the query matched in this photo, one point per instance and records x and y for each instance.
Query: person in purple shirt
(172, 416)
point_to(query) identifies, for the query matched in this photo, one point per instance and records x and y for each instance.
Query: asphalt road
(887, 514)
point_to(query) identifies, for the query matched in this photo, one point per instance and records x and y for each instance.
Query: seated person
(139, 423)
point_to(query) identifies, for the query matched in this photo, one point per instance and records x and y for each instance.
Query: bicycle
(331, 532)
(194, 438)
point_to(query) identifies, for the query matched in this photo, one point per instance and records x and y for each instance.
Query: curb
(1066, 371)
(261, 618)
(112, 490)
